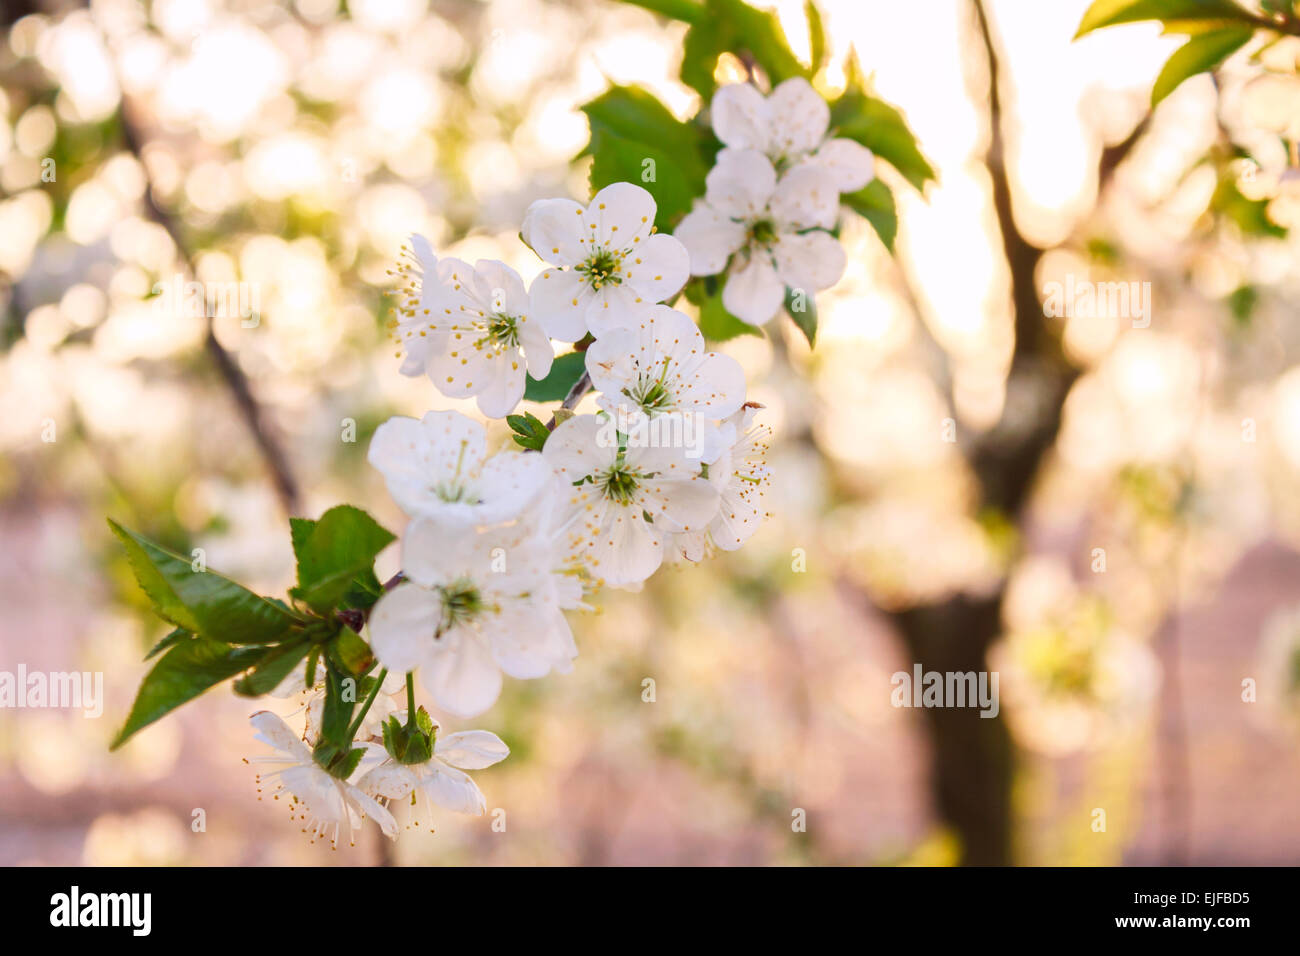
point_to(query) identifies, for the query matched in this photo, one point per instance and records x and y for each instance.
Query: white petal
(740, 116)
(512, 480)
(799, 119)
(552, 227)
(558, 299)
(625, 549)
(658, 268)
(849, 164)
(500, 287)
(682, 505)
(452, 790)
(574, 449)
(805, 197)
(402, 627)
(271, 729)
(710, 238)
(391, 780)
(372, 808)
(741, 184)
(462, 676)
(611, 359)
(536, 344)
(810, 261)
(505, 386)
(437, 552)
(622, 215)
(755, 293)
(471, 749)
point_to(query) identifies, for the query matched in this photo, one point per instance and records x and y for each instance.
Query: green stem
(410, 699)
(365, 708)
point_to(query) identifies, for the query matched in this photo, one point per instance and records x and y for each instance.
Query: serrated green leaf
(875, 203)
(202, 602)
(171, 640)
(565, 371)
(1106, 13)
(734, 26)
(1199, 54)
(881, 128)
(530, 431)
(334, 552)
(188, 669)
(636, 114)
(274, 666)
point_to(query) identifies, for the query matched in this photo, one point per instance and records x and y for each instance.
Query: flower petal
(741, 117)
(810, 261)
(575, 451)
(710, 238)
(462, 676)
(658, 268)
(402, 627)
(621, 215)
(806, 197)
(799, 119)
(452, 790)
(754, 293)
(558, 299)
(471, 749)
(849, 164)
(740, 184)
(272, 730)
(552, 227)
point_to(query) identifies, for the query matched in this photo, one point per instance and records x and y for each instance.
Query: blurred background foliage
(1114, 527)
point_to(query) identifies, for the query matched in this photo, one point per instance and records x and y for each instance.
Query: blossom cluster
(499, 546)
(772, 198)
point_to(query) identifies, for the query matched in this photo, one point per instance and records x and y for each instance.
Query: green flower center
(762, 232)
(502, 330)
(461, 602)
(620, 484)
(651, 394)
(605, 267)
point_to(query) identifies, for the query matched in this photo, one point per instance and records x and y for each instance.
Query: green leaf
(736, 27)
(276, 664)
(805, 318)
(202, 602)
(171, 640)
(883, 130)
(636, 114)
(876, 204)
(565, 371)
(336, 714)
(719, 325)
(188, 669)
(617, 159)
(1106, 13)
(1201, 53)
(530, 431)
(816, 34)
(1249, 215)
(333, 552)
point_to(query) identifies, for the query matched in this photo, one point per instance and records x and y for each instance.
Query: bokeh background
(293, 146)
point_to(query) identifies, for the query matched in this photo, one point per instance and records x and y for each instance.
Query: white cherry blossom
(741, 476)
(323, 803)
(475, 604)
(437, 467)
(471, 332)
(655, 364)
(630, 498)
(770, 231)
(441, 780)
(608, 260)
(789, 127)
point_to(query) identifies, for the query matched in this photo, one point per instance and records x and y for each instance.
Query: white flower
(475, 604)
(789, 127)
(322, 802)
(741, 476)
(438, 780)
(631, 497)
(469, 329)
(614, 262)
(436, 468)
(655, 364)
(771, 232)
